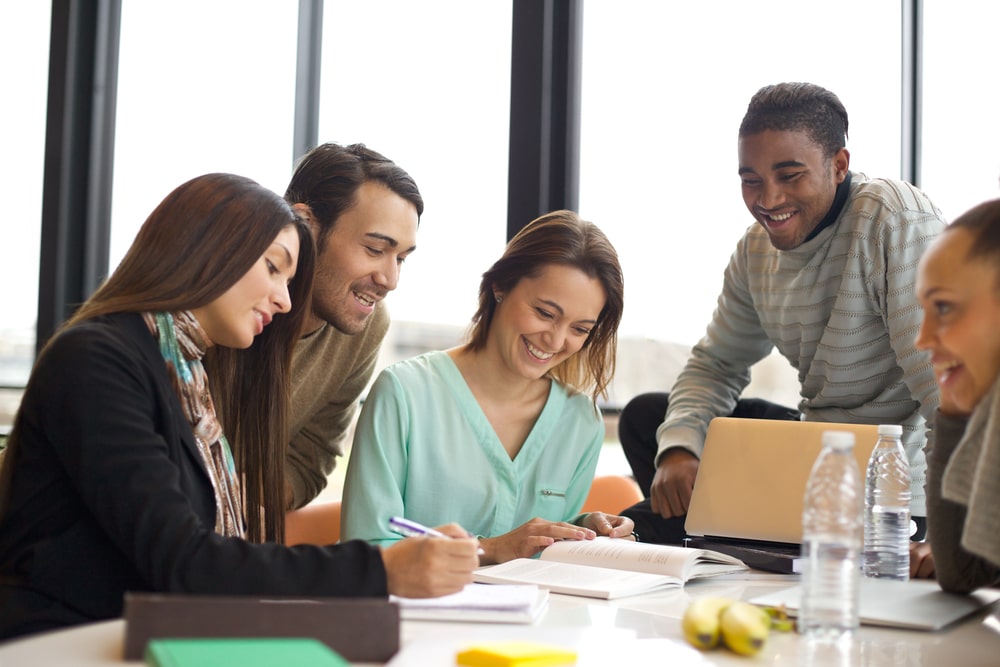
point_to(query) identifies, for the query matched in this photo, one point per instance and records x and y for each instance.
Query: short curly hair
(802, 107)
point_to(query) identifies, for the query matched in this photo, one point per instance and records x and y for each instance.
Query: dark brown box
(359, 629)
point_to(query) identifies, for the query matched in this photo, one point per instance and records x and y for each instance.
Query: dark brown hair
(561, 238)
(327, 179)
(983, 222)
(200, 240)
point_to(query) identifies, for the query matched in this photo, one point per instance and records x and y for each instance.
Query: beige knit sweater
(330, 370)
(840, 308)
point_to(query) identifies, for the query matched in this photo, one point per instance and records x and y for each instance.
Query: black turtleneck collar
(839, 200)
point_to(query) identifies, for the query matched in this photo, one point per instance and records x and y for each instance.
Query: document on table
(490, 603)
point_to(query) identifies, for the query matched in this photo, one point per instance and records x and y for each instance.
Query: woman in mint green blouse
(502, 434)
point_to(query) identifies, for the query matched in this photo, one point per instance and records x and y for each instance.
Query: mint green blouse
(423, 449)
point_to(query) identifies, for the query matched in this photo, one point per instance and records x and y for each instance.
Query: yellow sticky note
(515, 654)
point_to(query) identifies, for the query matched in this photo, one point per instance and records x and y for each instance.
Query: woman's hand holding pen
(419, 567)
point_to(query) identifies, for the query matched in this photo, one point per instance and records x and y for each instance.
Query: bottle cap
(838, 439)
(890, 429)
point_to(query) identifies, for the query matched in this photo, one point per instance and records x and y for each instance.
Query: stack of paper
(514, 603)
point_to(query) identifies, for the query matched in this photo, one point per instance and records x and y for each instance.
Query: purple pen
(407, 528)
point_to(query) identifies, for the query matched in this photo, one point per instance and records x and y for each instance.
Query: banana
(700, 622)
(744, 627)
(780, 621)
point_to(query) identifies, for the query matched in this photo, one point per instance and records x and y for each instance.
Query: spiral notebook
(747, 498)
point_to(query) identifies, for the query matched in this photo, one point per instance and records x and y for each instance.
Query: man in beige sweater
(364, 211)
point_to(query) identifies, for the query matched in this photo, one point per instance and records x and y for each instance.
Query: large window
(961, 132)
(665, 86)
(24, 63)
(210, 86)
(428, 85)
(202, 87)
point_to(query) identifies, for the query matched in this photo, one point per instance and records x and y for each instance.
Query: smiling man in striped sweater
(825, 275)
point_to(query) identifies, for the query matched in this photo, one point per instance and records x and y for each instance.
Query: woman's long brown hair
(562, 238)
(200, 240)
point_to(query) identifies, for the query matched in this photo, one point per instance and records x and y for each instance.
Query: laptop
(747, 497)
(919, 604)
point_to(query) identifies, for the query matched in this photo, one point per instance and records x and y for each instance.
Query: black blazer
(109, 494)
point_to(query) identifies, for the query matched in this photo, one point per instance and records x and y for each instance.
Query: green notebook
(276, 652)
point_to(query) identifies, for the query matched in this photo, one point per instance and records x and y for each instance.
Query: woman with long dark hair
(147, 452)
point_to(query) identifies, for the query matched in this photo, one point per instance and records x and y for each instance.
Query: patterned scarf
(183, 344)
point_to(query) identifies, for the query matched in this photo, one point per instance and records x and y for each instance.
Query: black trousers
(637, 432)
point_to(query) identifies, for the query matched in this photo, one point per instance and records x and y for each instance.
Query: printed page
(623, 554)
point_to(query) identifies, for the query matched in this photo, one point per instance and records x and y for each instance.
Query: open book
(610, 568)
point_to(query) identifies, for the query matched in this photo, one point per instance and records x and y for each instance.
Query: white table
(638, 631)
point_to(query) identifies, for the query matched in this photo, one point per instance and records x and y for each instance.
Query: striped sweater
(840, 308)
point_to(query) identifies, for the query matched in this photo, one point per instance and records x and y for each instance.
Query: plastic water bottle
(887, 507)
(831, 541)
